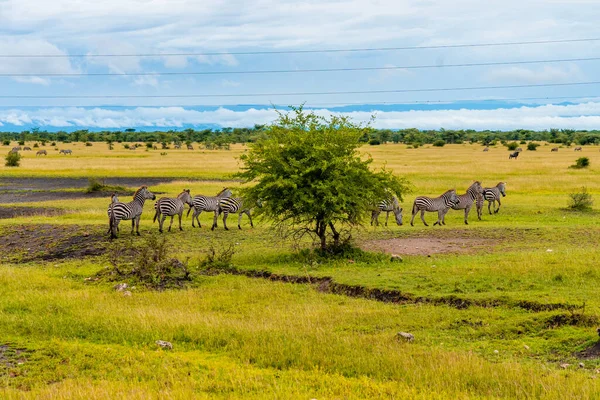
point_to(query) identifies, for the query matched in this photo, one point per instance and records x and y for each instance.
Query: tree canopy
(309, 175)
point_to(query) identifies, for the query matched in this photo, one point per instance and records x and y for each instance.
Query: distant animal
(513, 155)
(207, 203)
(18, 148)
(26, 148)
(387, 205)
(15, 150)
(440, 204)
(486, 149)
(41, 153)
(154, 147)
(177, 146)
(519, 149)
(492, 195)
(465, 201)
(479, 201)
(578, 148)
(133, 210)
(230, 205)
(190, 147)
(65, 152)
(168, 206)
(554, 149)
(133, 147)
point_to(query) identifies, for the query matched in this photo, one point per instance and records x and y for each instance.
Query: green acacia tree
(311, 178)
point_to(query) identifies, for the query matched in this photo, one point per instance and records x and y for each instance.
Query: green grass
(239, 337)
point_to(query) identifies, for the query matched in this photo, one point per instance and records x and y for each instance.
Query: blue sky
(69, 27)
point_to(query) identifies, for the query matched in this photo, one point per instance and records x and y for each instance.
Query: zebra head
(502, 188)
(398, 214)
(186, 197)
(144, 193)
(452, 197)
(475, 189)
(114, 198)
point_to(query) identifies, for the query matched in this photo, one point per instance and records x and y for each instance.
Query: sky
(406, 97)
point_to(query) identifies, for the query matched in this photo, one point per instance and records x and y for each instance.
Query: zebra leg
(422, 217)
(214, 225)
(489, 205)
(197, 214)
(373, 213)
(171, 224)
(467, 211)
(250, 218)
(240, 220)
(180, 215)
(412, 220)
(161, 222)
(499, 204)
(387, 217)
(137, 224)
(132, 225)
(440, 216)
(225, 215)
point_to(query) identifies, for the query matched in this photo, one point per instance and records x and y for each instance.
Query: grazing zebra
(166, 206)
(15, 150)
(440, 204)
(177, 146)
(65, 152)
(190, 147)
(133, 210)
(519, 149)
(26, 148)
(578, 148)
(479, 201)
(514, 155)
(554, 149)
(206, 203)
(486, 149)
(231, 205)
(465, 201)
(41, 153)
(493, 195)
(388, 205)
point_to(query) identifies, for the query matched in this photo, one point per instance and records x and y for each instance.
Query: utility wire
(365, 49)
(184, 96)
(281, 71)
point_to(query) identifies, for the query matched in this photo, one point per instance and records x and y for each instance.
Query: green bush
(149, 145)
(126, 146)
(439, 143)
(512, 146)
(36, 145)
(522, 142)
(6, 142)
(582, 162)
(532, 146)
(21, 143)
(581, 201)
(13, 159)
(88, 144)
(374, 142)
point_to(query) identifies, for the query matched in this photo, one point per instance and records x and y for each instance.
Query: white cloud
(570, 73)
(579, 116)
(229, 83)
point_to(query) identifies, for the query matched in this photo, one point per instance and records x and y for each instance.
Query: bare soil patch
(52, 242)
(426, 245)
(591, 352)
(12, 212)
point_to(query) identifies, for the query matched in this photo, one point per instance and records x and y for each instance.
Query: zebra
(519, 149)
(554, 149)
(26, 148)
(479, 201)
(493, 194)
(440, 204)
(15, 150)
(206, 203)
(166, 206)
(133, 210)
(578, 148)
(113, 199)
(190, 147)
(388, 205)
(65, 152)
(41, 153)
(465, 201)
(486, 148)
(514, 155)
(231, 205)
(177, 146)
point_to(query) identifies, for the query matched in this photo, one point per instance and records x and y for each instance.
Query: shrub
(218, 257)
(532, 146)
(6, 142)
(53, 144)
(149, 145)
(95, 185)
(36, 145)
(13, 159)
(374, 142)
(582, 162)
(439, 143)
(21, 143)
(126, 146)
(88, 144)
(522, 142)
(512, 146)
(581, 201)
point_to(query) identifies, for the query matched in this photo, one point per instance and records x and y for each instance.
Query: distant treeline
(223, 137)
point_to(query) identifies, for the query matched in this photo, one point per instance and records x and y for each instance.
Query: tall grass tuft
(581, 201)
(582, 162)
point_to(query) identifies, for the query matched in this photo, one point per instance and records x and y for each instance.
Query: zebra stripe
(388, 205)
(493, 195)
(440, 204)
(465, 201)
(118, 211)
(169, 207)
(231, 205)
(207, 203)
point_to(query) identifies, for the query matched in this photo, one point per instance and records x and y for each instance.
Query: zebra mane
(222, 191)
(137, 191)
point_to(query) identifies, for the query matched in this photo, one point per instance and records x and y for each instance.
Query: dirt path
(426, 245)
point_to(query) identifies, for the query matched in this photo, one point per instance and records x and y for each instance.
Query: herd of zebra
(475, 194)
(224, 204)
(165, 207)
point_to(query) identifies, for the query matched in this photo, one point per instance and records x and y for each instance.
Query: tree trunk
(336, 235)
(322, 233)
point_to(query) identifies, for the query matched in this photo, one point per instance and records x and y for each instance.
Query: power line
(184, 96)
(310, 105)
(280, 71)
(266, 52)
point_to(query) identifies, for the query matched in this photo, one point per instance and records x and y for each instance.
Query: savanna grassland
(505, 307)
